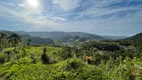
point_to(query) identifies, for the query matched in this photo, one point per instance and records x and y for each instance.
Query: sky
(103, 17)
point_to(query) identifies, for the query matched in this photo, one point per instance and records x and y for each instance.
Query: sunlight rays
(33, 3)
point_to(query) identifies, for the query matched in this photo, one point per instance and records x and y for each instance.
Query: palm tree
(2, 37)
(14, 39)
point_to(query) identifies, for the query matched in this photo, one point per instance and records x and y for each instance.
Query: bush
(66, 53)
(2, 57)
(44, 57)
(74, 63)
(8, 54)
(25, 60)
(24, 52)
(33, 58)
(101, 46)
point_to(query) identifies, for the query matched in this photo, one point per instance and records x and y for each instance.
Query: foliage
(66, 52)
(44, 57)
(14, 39)
(101, 46)
(3, 41)
(2, 58)
(29, 42)
(90, 60)
(69, 69)
(33, 58)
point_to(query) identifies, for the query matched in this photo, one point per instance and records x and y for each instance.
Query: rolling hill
(135, 37)
(114, 37)
(35, 40)
(62, 36)
(44, 37)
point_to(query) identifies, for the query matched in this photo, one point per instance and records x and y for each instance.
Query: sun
(33, 3)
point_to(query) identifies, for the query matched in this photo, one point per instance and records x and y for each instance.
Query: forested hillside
(33, 40)
(135, 37)
(70, 39)
(60, 35)
(87, 60)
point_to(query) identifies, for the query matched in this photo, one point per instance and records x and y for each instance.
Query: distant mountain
(35, 40)
(62, 36)
(135, 37)
(114, 37)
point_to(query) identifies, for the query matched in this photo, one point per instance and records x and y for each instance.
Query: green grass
(73, 68)
(70, 69)
(37, 51)
(61, 70)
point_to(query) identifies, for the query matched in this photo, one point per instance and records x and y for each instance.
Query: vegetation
(86, 60)
(2, 39)
(14, 39)
(44, 58)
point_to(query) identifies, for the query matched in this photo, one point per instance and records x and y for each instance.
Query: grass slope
(70, 69)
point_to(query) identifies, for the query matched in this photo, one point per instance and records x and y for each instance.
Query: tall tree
(29, 42)
(14, 39)
(3, 36)
(44, 57)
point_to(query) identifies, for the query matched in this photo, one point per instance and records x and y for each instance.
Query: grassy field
(21, 67)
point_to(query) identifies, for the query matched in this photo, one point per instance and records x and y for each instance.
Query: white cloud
(11, 4)
(22, 12)
(102, 3)
(95, 12)
(93, 8)
(58, 19)
(126, 25)
(66, 4)
(21, 5)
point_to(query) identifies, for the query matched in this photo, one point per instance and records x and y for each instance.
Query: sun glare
(33, 3)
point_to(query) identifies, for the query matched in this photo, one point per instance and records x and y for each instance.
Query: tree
(44, 58)
(29, 42)
(3, 35)
(67, 52)
(76, 37)
(2, 41)
(14, 39)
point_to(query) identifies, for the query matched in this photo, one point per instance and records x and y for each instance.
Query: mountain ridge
(135, 37)
(60, 35)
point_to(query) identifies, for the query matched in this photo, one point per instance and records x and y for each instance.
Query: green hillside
(72, 68)
(34, 40)
(135, 37)
(62, 36)
(135, 40)
(87, 60)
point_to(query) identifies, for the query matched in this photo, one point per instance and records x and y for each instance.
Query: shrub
(101, 46)
(24, 52)
(66, 53)
(16, 52)
(8, 54)
(2, 57)
(24, 60)
(74, 63)
(33, 58)
(44, 57)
